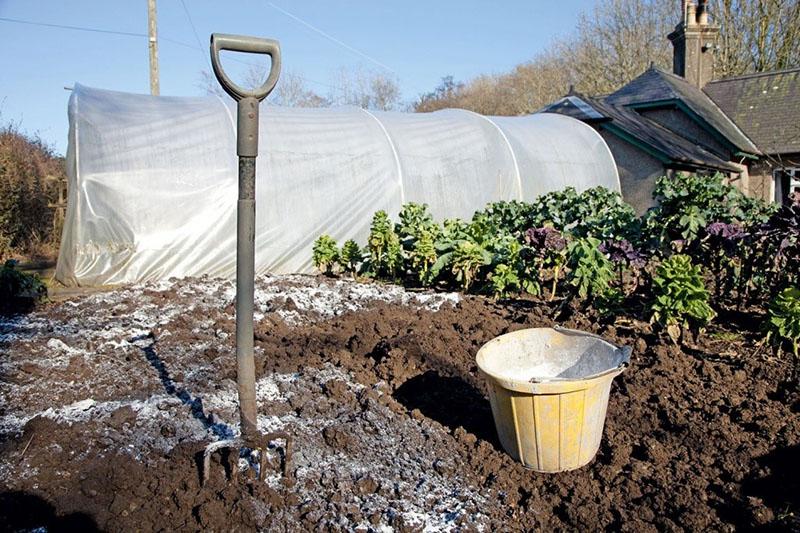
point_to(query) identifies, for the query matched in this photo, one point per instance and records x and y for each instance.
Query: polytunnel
(153, 180)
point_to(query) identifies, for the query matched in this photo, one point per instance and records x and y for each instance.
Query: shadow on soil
(774, 481)
(451, 401)
(222, 431)
(780, 487)
(20, 511)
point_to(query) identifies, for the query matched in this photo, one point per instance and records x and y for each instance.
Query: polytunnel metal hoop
(508, 144)
(398, 165)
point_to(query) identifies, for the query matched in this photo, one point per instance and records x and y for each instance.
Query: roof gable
(573, 106)
(649, 86)
(656, 86)
(637, 129)
(765, 106)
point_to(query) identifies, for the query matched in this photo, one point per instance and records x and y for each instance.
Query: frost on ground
(96, 336)
(139, 370)
(303, 300)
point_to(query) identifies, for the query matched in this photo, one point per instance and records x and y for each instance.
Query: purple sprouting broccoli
(623, 254)
(725, 230)
(547, 247)
(622, 251)
(725, 236)
(545, 239)
(782, 234)
(721, 243)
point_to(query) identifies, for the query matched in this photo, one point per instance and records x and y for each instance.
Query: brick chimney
(694, 43)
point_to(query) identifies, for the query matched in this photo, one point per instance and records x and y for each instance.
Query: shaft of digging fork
(245, 281)
(247, 149)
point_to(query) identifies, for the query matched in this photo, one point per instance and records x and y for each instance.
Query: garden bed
(107, 399)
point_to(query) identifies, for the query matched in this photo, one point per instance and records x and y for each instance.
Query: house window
(787, 181)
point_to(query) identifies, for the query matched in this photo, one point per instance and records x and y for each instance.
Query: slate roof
(673, 147)
(765, 106)
(576, 106)
(656, 85)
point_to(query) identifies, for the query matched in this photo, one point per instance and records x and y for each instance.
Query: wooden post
(153, 46)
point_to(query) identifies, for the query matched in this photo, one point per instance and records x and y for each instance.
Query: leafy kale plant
(413, 219)
(467, 259)
(687, 203)
(771, 261)
(508, 271)
(423, 256)
(350, 257)
(507, 216)
(592, 273)
(385, 250)
(418, 233)
(784, 319)
(681, 299)
(504, 280)
(325, 254)
(596, 212)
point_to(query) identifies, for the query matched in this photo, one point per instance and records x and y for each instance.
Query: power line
(199, 47)
(332, 38)
(78, 28)
(337, 41)
(251, 65)
(93, 30)
(206, 58)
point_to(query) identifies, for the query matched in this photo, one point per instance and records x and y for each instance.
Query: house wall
(762, 172)
(679, 123)
(760, 181)
(638, 171)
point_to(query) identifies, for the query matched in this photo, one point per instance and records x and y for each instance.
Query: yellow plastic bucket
(549, 392)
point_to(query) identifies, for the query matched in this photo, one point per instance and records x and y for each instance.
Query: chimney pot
(702, 13)
(694, 43)
(684, 7)
(691, 14)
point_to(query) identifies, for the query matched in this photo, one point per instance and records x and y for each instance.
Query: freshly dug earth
(107, 400)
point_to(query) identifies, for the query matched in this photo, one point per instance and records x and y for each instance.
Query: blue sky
(417, 42)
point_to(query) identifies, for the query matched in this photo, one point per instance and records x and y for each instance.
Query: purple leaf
(545, 239)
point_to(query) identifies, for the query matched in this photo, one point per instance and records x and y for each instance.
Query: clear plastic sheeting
(153, 180)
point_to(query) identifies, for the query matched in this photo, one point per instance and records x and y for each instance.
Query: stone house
(746, 127)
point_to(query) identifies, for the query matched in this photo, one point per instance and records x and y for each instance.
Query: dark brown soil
(393, 428)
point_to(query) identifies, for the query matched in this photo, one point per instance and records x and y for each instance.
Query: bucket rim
(544, 385)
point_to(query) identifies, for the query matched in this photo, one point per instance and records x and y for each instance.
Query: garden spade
(251, 441)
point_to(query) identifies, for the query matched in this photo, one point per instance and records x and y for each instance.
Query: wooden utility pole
(153, 45)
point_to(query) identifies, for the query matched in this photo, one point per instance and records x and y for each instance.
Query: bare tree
(524, 90)
(292, 91)
(209, 84)
(617, 41)
(756, 35)
(357, 87)
(611, 45)
(366, 89)
(537, 83)
(445, 95)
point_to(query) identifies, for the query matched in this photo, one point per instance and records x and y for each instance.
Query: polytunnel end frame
(251, 440)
